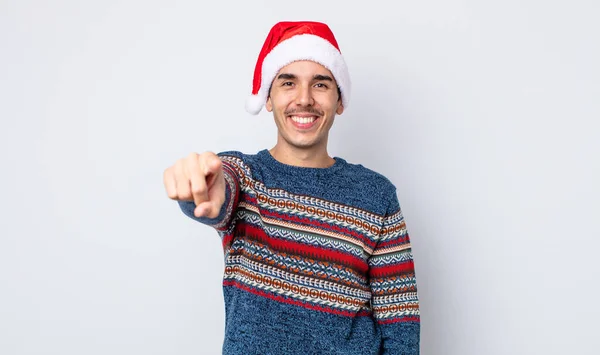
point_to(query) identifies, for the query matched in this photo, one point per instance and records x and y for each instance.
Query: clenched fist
(198, 178)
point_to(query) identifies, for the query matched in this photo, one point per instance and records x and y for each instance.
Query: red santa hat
(292, 41)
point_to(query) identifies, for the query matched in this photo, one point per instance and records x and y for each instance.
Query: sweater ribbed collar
(275, 165)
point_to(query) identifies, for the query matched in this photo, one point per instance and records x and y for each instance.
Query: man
(317, 255)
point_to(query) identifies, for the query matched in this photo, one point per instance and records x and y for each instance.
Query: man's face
(304, 100)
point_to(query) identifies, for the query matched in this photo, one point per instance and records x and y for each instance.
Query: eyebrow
(323, 77)
(286, 76)
(319, 77)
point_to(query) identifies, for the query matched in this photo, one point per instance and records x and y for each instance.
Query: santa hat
(292, 41)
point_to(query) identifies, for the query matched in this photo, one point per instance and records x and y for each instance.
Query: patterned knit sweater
(317, 260)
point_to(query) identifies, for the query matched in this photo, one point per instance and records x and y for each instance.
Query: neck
(309, 158)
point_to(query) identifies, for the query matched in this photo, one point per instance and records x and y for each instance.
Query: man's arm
(206, 187)
(227, 210)
(393, 285)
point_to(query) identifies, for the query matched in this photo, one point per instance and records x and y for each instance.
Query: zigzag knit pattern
(317, 260)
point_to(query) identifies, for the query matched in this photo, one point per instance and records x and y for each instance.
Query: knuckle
(202, 156)
(183, 192)
(191, 159)
(217, 161)
(199, 189)
(183, 196)
(178, 167)
(209, 156)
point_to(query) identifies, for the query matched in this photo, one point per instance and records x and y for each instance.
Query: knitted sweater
(317, 260)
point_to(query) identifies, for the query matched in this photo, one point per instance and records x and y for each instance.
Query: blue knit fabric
(263, 320)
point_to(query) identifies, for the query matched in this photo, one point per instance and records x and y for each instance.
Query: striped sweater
(317, 260)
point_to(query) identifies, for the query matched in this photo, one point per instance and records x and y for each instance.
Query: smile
(303, 122)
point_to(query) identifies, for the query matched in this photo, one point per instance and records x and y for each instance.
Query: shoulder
(369, 177)
(369, 185)
(231, 154)
(236, 155)
(240, 161)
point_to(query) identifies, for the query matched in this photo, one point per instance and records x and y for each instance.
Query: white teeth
(303, 120)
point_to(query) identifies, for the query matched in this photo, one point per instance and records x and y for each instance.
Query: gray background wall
(483, 113)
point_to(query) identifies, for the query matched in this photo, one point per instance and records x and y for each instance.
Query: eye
(321, 85)
(287, 83)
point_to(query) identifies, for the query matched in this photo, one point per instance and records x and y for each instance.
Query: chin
(303, 144)
(300, 144)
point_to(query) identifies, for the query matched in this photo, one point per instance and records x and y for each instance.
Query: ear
(269, 104)
(340, 108)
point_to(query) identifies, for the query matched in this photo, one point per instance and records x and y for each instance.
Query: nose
(304, 96)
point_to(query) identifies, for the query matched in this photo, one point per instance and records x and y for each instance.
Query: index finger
(212, 164)
(197, 181)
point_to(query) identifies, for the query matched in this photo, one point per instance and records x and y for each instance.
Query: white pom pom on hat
(288, 42)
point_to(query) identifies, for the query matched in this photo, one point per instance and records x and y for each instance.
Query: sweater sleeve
(232, 193)
(393, 285)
